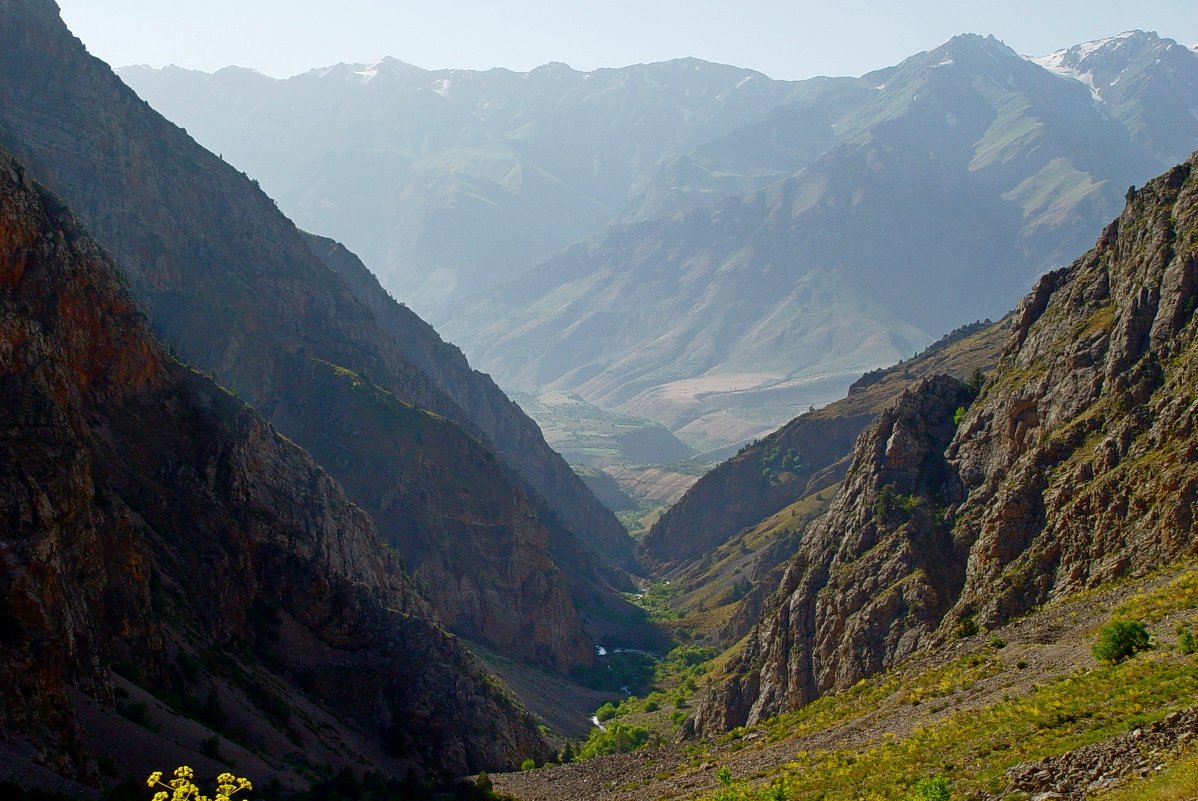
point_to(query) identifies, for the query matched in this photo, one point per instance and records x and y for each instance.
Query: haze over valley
(661, 431)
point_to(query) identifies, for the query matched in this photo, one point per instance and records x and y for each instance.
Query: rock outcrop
(230, 283)
(150, 519)
(1076, 465)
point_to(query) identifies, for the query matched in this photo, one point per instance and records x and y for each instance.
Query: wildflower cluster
(182, 788)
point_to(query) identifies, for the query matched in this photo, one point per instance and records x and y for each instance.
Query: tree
(1119, 640)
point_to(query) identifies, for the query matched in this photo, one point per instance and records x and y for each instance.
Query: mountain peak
(365, 72)
(966, 43)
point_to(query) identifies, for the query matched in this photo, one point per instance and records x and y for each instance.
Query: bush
(605, 712)
(1185, 641)
(930, 790)
(1119, 640)
(966, 627)
(528, 764)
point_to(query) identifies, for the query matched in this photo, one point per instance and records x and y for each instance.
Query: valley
(830, 438)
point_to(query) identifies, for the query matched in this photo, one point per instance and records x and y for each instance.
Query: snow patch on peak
(948, 62)
(1086, 48)
(368, 72)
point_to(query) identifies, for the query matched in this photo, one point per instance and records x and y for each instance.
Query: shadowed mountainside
(154, 524)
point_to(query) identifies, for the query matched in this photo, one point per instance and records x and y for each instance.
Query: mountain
(163, 544)
(967, 172)
(722, 544)
(231, 283)
(448, 182)
(1146, 82)
(1073, 467)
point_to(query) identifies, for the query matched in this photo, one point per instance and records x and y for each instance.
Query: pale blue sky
(795, 39)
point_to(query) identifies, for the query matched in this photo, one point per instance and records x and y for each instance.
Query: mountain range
(788, 237)
(256, 512)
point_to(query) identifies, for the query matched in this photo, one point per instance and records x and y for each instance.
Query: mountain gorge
(256, 514)
(230, 283)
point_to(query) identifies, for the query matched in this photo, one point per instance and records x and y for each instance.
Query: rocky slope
(155, 523)
(952, 180)
(1074, 466)
(723, 544)
(232, 285)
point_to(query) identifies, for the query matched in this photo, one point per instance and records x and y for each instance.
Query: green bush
(930, 790)
(1185, 641)
(605, 712)
(528, 764)
(1119, 640)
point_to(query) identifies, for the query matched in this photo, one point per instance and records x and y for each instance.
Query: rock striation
(151, 520)
(1074, 466)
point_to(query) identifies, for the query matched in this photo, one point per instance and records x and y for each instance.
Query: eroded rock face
(1075, 465)
(146, 513)
(230, 283)
(871, 579)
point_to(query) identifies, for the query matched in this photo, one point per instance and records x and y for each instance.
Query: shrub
(528, 764)
(605, 712)
(998, 642)
(1185, 641)
(1119, 640)
(930, 790)
(966, 627)
(958, 415)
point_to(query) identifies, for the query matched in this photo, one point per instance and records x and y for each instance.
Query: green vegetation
(638, 721)
(930, 790)
(656, 601)
(618, 738)
(1185, 641)
(971, 749)
(528, 764)
(1120, 640)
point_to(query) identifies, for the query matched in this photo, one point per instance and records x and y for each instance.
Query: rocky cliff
(1073, 467)
(229, 282)
(724, 542)
(154, 523)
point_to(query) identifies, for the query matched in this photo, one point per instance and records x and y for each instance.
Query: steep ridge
(968, 173)
(515, 436)
(803, 456)
(1073, 467)
(725, 544)
(448, 182)
(154, 523)
(230, 282)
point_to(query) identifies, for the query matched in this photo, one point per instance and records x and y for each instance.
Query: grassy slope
(968, 713)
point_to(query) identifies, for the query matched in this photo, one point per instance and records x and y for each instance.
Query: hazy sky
(795, 39)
